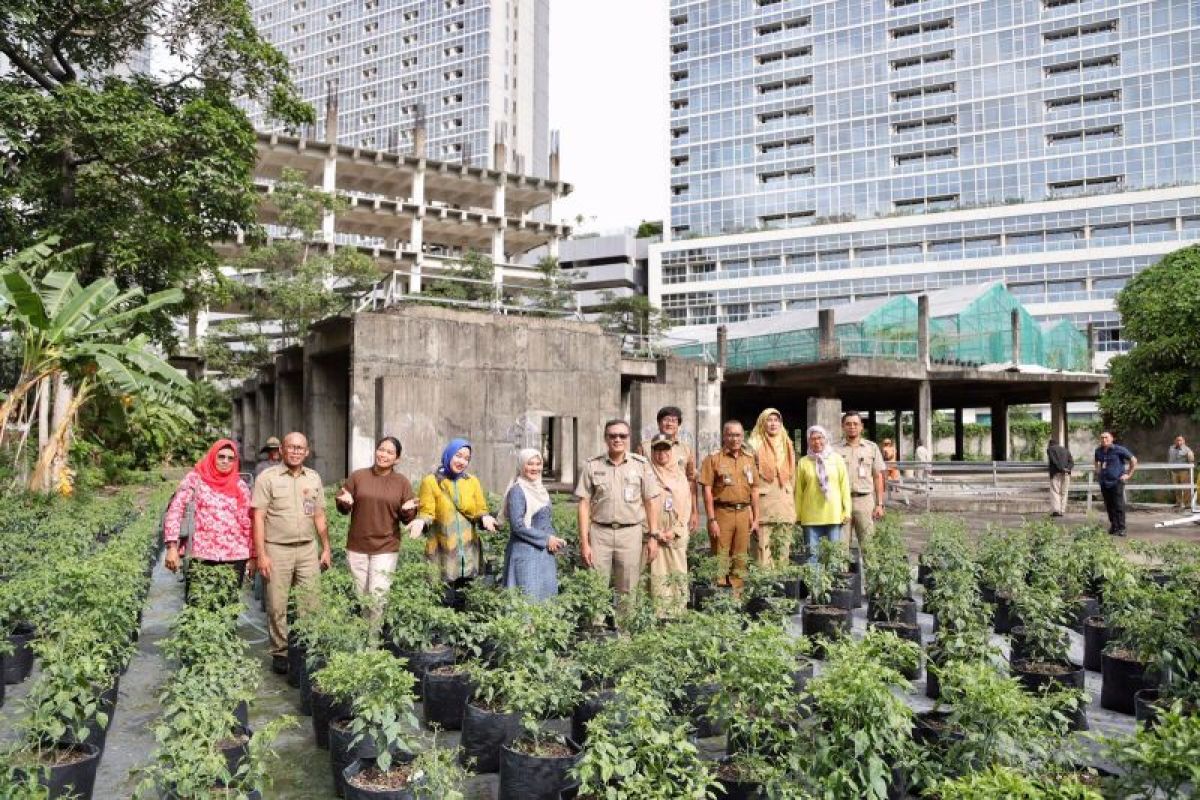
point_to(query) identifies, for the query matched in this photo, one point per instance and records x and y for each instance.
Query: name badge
(631, 492)
(669, 503)
(727, 479)
(749, 473)
(310, 507)
(862, 471)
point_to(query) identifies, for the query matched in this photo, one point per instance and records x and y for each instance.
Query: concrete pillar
(236, 427)
(326, 408)
(289, 402)
(418, 190)
(1015, 318)
(554, 156)
(708, 410)
(499, 195)
(872, 426)
(417, 242)
(923, 424)
(500, 148)
(498, 245)
(960, 438)
(722, 347)
(419, 138)
(999, 430)
(552, 246)
(826, 412)
(329, 186)
(1058, 414)
(826, 335)
(251, 441)
(1091, 346)
(266, 411)
(923, 330)
(898, 419)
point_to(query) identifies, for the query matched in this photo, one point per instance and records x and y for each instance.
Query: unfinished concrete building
(427, 374)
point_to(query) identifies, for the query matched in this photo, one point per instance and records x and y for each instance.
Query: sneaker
(279, 665)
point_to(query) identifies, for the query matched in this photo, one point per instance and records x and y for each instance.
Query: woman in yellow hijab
(776, 458)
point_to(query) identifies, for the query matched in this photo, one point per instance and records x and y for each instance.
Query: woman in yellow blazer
(452, 503)
(822, 492)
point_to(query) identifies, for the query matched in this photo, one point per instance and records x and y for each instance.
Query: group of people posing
(637, 511)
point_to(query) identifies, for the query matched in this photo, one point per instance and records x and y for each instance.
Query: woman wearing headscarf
(218, 502)
(529, 558)
(452, 503)
(822, 491)
(776, 459)
(379, 500)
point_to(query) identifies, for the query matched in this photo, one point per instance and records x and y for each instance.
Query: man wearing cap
(617, 502)
(669, 420)
(866, 466)
(274, 456)
(667, 554)
(728, 477)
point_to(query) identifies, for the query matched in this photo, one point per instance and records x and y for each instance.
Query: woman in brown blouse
(378, 500)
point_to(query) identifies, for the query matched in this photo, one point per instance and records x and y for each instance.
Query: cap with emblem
(273, 443)
(661, 440)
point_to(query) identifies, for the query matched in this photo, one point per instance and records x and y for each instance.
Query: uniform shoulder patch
(638, 457)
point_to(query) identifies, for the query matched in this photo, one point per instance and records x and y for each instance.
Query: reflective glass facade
(883, 118)
(467, 67)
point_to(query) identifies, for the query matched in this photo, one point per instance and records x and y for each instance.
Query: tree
(299, 282)
(648, 229)
(553, 291)
(473, 283)
(634, 319)
(148, 169)
(75, 340)
(1161, 375)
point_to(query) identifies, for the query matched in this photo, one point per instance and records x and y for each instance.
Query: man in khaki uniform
(729, 479)
(288, 513)
(866, 468)
(617, 494)
(669, 420)
(667, 554)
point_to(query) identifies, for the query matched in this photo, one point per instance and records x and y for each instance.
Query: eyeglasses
(226, 458)
(616, 436)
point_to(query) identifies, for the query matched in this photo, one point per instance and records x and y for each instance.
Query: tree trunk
(43, 413)
(51, 468)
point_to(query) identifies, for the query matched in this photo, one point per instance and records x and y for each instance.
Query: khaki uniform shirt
(677, 500)
(732, 478)
(291, 503)
(617, 492)
(863, 462)
(681, 454)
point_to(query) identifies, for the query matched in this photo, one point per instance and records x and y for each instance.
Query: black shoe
(1117, 533)
(279, 665)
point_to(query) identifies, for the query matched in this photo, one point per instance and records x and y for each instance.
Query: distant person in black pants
(1061, 463)
(1112, 463)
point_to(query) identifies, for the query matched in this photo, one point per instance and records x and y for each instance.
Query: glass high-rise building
(824, 152)
(471, 70)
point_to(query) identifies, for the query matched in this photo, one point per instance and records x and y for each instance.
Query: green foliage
(1161, 761)
(1158, 308)
(633, 318)
(437, 774)
(649, 228)
(471, 283)
(151, 168)
(1004, 783)
(638, 751)
(553, 291)
(1043, 613)
(379, 690)
(888, 573)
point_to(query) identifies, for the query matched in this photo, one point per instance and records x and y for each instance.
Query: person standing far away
(775, 456)
(670, 418)
(1180, 453)
(288, 516)
(529, 563)
(618, 496)
(1115, 465)
(453, 504)
(379, 500)
(1060, 462)
(865, 465)
(273, 453)
(729, 477)
(822, 492)
(667, 555)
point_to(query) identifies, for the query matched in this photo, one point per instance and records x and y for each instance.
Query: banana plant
(79, 337)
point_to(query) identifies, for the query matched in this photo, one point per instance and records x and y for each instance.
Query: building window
(931, 203)
(916, 29)
(1082, 66)
(1090, 98)
(409, 39)
(452, 100)
(454, 27)
(923, 91)
(452, 75)
(679, 19)
(1086, 185)
(783, 55)
(1084, 134)
(333, 16)
(369, 95)
(298, 27)
(370, 72)
(778, 27)
(679, 75)
(679, 189)
(410, 16)
(333, 38)
(925, 156)
(928, 124)
(785, 144)
(679, 104)
(408, 86)
(679, 47)
(332, 61)
(370, 27)
(909, 62)
(408, 62)
(1079, 31)
(370, 49)
(679, 161)
(450, 52)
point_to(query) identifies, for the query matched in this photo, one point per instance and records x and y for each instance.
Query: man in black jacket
(1061, 464)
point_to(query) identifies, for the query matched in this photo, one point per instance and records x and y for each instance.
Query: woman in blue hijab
(452, 504)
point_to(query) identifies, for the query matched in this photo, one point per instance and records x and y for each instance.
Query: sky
(608, 98)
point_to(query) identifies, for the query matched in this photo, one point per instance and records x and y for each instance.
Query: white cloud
(608, 97)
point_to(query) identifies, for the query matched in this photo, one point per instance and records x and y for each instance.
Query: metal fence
(930, 481)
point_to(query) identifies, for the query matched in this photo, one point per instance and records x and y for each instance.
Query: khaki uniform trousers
(669, 576)
(773, 543)
(862, 523)
(1183, 495)
(733, 544)
(291, 565)
(1060, 485)
(617, 555)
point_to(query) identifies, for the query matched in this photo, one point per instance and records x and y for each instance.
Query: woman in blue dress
(529, 558)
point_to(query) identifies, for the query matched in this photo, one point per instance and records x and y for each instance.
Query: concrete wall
(250, 442)
(326, 396)
(289, 391)
(427, 374)
(267, 421)
(1150, 444)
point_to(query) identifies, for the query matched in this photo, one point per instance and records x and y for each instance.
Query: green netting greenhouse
(968, 325)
